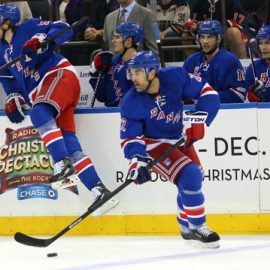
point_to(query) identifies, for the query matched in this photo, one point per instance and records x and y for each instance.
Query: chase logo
(36, 191)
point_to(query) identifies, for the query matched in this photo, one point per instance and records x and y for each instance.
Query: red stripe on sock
(195, 212)
(83, 163)
(54, 134)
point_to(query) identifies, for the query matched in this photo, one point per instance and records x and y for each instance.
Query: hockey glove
(138, 171)
(256, 92)
(103, 61)
(33, 46)
(193, 126)
(13, 107)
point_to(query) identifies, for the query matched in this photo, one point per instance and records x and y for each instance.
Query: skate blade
(105, 207)
(65, 183)
(211, 245)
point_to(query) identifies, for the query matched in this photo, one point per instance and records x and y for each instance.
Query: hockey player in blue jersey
(221, 69)
(258, 77)
(113, 84)
(48, 83)
(152, 120)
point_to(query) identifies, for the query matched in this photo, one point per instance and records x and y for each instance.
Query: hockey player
(48, 83)
(108, 72)
(258, 77)
(152, 120)
(220, 68)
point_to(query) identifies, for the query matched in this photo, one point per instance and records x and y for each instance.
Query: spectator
(239, 31)
(172, 16)
(258, 76)
(98, 11)
(41, 9)
(220, 68)
(130, 11)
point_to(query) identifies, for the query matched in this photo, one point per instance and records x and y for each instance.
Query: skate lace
(204, 231)
(58, 167)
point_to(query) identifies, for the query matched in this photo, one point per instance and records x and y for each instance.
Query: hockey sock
(189, 187)
(42, 117)
(182, 217)
(85, 170)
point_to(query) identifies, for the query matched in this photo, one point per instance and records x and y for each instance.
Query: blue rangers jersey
(23, 77)
(224, 72)
(113, 85)
(263, 72)
(159, 117)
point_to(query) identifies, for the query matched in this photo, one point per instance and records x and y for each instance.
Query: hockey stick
(45, 43)
(252, 61)
(102, 46)
(37, 242)
(158, 41)
(95, 90)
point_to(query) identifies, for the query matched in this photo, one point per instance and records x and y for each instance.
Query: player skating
(48, 83)
(152, 120)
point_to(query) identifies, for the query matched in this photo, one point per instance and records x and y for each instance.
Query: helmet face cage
(9, 12)
(147, 60)
(264, 32)
(211, 27)
(133, 30)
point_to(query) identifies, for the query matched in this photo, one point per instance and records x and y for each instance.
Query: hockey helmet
(213, 27)
(9, 12)
(130, 29)
(264, 32)
(145, 59)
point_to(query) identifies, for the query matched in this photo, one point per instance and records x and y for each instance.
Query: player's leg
(189, 185)
(87, 174)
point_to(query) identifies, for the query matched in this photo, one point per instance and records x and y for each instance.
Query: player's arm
(15, 103)
(134, 149)
(233, 83)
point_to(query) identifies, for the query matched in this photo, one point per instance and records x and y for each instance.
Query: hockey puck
(54, 254)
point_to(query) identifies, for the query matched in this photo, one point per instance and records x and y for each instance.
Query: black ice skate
(186, 236)
(100, 192)
(66, 177)
(205, 236)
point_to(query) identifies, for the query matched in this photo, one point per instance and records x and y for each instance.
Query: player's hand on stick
(194, 122)
(102, 61)
(138, 171)
(256, 92)
(14, 107)
(33, 46)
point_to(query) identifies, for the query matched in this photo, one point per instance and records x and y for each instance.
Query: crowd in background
(176, 18)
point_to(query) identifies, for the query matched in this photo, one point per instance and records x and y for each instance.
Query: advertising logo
(26, 164)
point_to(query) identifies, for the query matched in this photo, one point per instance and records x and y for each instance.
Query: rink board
(234, 153)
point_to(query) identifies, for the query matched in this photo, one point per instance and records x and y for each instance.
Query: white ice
(137, 253)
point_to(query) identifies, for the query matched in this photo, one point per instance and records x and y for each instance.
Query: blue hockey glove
(32, 47)
(193, 126)
(103, 61)
(256, 92)
(13, 107)
(138, 171)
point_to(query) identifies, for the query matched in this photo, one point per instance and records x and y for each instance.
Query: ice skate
(66, 175)
(205, 237)
(100, 192)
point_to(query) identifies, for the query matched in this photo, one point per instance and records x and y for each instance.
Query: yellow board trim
(133, 224)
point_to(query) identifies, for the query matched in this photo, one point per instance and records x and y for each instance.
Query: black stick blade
(31, 241)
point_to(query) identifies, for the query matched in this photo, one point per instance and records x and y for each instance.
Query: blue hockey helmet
(9, 12)
(211, 27)
(130, 29)
(264, 32)
(145, 59)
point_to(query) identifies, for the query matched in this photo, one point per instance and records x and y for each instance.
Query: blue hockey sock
(189, 187)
